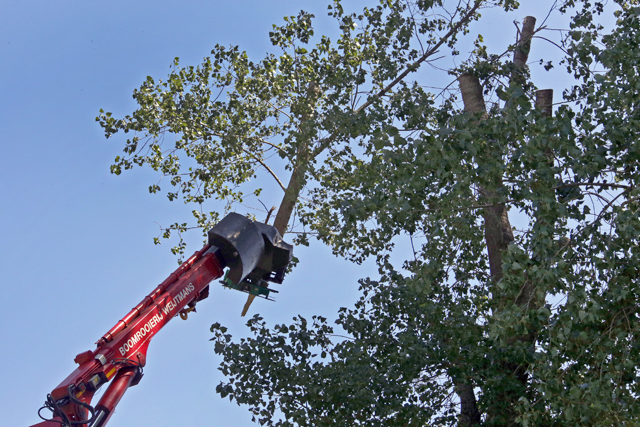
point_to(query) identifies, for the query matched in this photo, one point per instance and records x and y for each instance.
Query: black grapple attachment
(254, 252)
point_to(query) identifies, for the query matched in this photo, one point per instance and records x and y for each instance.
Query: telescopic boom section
(151, 298)
(254, 253)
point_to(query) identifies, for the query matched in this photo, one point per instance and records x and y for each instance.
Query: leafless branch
(267, 168)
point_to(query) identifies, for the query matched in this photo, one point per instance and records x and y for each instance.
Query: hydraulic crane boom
(254, 253)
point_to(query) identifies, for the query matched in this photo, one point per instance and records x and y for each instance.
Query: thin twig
(424, 57)
(324, 143)
(273, 145)
(594, 184)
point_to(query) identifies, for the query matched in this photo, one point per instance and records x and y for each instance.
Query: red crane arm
(151, 298)
(255, 254)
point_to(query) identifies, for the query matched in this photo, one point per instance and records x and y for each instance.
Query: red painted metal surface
(124, 348)
(48, 423)
(149, 299)
(111, 398)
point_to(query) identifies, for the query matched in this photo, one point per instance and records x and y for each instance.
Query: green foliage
(383, 158)
(228, 116)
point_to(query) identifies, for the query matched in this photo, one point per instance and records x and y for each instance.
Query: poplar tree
(518, 305)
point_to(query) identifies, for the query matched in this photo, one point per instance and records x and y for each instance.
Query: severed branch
(498, 231)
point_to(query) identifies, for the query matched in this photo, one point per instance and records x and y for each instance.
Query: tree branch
(414, 66)
(264, 165)
(424, 57)
(594, 184)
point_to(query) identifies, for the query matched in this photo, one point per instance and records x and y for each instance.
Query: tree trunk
(523, 46)
(291, 195)
(497, 228)
(300, 165)
(544, 101)
(498, 232)
(469, 413)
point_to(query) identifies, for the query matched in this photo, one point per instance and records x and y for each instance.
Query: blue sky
(76, 249)
(76, 242)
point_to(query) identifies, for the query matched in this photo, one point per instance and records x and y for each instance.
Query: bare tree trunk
(497, 228)
(521, 54)
(300, 165)
(473, 99)
(544, 101)
(498, 232)
(469, 413)
(292, 192)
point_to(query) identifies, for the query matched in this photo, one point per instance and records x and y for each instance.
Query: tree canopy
(486, 323)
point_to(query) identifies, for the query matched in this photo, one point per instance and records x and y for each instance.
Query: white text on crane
(142, 332)
(178, 298)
